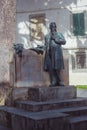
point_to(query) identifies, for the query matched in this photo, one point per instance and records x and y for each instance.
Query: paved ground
(81, 93)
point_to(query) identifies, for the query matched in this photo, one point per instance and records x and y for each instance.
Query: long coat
(53, 52)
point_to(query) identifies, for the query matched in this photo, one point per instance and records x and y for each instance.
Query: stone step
(76, 123)
(4, 128)
(5, 115)
(18, 119)
(50, 105)
(74, 111)
(45, 120)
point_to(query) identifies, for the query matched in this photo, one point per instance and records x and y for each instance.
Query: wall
(7, 31)
(57, 10)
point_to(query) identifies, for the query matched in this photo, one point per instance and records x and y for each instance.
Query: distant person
(53, 61)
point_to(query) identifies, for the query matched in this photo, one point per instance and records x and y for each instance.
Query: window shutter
(85, 15)
(78, 24)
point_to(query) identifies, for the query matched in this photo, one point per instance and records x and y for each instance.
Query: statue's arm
(59, 39)
(47, 43)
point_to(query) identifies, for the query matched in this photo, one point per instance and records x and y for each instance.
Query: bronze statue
(39, 49)
(53, 61)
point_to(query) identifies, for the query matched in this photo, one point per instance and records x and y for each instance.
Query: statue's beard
(53, 32)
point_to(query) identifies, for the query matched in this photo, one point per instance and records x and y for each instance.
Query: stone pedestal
(51, 93)
(28, 71)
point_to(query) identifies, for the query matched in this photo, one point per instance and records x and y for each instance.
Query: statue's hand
(37, 50)
(52, 37)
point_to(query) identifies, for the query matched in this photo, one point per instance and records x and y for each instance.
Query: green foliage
(81, 86)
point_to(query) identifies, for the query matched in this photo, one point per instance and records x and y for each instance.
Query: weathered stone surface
(50, 105)
(4, 128)
(38, 122)
(20, 93)
(7, 36)
(75, 111)
(62, 119)
(75, 123)
(29, 70)
(21, 120)
(5, 118)
(46, 120)
(43, 93)
(51, 93)
(5, 94)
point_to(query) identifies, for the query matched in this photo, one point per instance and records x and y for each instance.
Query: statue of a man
(53, 62)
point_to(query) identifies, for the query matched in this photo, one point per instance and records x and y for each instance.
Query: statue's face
(53, 27)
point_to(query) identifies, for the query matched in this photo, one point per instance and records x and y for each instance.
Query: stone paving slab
(82, 93)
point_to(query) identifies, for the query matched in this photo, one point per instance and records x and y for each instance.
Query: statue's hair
(52, 24)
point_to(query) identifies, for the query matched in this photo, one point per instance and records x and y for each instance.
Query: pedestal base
(51, 93)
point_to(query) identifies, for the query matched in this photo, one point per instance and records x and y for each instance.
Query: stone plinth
(51, 93)
(28, 71)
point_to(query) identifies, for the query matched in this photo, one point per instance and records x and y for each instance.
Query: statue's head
(53, 26)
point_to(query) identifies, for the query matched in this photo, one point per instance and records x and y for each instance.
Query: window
(79, 60)
(78, 24)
